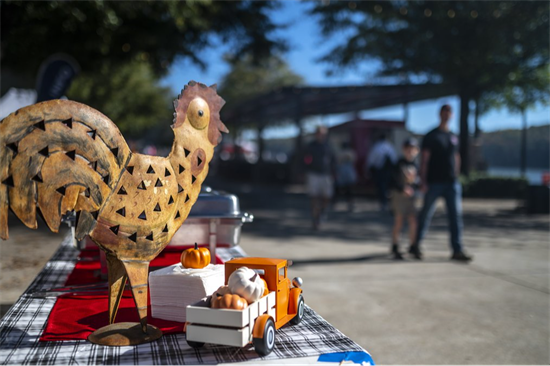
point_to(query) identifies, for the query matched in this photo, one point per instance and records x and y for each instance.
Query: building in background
(361, 134)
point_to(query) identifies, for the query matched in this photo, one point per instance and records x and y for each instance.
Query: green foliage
(480, 185)
(523, 90)
(248, 78)
(129, 95)
(112, 33)
(479, 46)
(483, 48)
(502, 148)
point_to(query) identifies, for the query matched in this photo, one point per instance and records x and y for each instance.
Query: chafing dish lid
(218, 204)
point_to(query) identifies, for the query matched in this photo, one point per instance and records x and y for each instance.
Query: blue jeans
(452, 193)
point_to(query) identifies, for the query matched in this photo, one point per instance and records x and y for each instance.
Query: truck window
(282, 273)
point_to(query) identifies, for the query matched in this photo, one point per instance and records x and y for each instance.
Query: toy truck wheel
(264, 346)
(195, 344)
(299, 313)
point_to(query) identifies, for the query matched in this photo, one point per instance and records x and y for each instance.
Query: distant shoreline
(533, 175)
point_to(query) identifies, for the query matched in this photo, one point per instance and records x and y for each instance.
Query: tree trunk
(261, 143)
(523, 153)
(464, 133)
(299, 142)
(405, 114)
(296, 163)
(477, 131)
(258, 167)
(234, 132)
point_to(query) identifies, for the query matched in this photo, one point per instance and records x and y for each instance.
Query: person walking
(319, 164)
(381, 159)
(439, 172)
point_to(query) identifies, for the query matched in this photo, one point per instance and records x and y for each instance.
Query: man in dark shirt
(439, 174)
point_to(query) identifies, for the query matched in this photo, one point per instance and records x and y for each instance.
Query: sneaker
(461, 257)
(414, 250)
(395, 252)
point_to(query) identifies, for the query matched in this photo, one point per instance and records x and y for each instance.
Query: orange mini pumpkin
(228, 301)
(222, 290)
(195, 257)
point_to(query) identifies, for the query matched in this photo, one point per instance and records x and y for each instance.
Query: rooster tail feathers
(58, 156)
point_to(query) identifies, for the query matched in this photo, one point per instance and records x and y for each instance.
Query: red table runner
(76, 316)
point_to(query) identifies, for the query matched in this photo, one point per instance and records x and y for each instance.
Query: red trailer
(361, 134)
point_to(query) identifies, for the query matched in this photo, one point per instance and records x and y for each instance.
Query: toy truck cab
(275, 273)
(258, 322)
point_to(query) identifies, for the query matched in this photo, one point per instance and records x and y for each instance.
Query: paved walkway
(22, 256)
(493, 311)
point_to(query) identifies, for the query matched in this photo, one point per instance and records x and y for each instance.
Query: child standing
(404, 184)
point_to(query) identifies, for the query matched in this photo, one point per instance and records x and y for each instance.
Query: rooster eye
(198, 113)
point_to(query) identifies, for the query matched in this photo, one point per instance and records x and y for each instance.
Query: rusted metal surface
(61, 156)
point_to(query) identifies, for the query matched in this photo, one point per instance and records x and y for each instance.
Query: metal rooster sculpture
(59, 156)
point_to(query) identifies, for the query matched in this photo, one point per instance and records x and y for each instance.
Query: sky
(307, 46)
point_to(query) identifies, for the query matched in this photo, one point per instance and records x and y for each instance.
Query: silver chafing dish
(215, 219)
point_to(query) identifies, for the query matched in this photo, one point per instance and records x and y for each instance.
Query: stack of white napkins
(173, 288)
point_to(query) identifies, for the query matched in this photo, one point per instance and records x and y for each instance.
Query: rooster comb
(198, 90)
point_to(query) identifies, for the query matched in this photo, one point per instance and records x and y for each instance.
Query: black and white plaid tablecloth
(21, 327)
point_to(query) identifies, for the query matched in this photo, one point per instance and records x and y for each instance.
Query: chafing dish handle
(247, 217)
(213, 239)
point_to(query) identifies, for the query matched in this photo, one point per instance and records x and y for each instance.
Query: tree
(112, 33)
(123, 47)
(129, 95)
(249, 77)
(476, 46)
(523, 91)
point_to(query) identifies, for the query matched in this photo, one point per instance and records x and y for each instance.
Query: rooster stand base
(124, 334)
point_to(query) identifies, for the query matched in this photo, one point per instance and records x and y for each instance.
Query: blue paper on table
(355, 357)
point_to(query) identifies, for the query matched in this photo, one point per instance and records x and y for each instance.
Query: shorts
(319, 185)
(402, 204)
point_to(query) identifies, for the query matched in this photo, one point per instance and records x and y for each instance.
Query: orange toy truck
(256, 323)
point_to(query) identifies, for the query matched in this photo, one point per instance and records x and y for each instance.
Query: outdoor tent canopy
(295, 103)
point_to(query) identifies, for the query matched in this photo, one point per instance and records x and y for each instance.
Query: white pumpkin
(246, 283)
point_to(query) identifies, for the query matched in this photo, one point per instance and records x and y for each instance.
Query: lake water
(534, 176)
